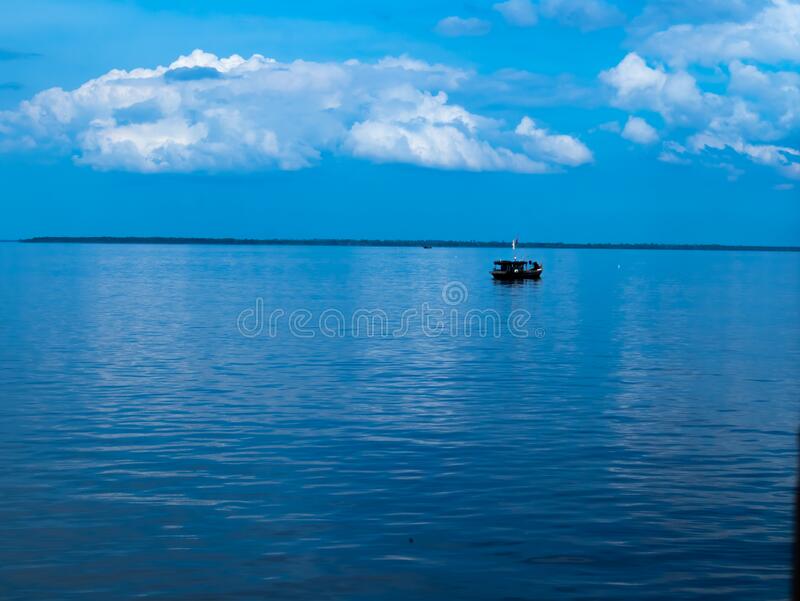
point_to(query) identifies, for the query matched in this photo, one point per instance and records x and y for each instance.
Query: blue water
(638, 442)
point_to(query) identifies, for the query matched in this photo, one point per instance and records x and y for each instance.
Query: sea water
(209, 422)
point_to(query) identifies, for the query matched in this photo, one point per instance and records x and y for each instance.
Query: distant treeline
(396, 243)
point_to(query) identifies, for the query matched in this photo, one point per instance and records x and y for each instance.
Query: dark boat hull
(527, 274)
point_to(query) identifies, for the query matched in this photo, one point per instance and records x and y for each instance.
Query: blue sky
(576, 120)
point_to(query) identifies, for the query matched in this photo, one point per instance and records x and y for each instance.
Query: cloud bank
(209, 113)
(771, 35)
(721, 88)
(756, 100)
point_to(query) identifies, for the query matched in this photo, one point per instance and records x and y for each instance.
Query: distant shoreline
(395, 243)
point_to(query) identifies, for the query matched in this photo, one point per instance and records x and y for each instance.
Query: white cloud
(675, 95)
(639, 131)
(457, 27)
(784, 158)
(632, 77)
(557, 148)
(437, 74)
(442, 146)
(776, 94)
(586, 14)
(521, 13)
(758, 108)
(410, 126)
(772, 35)
(204, 112)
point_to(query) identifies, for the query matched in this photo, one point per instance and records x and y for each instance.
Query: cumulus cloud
(639, 131)
(557, 148)
(675, 95)
(775, 93)
(457, 27)
(758, 107)
(588, 15)
(772, 35)
(521, 13)
(204, 112)
(410, 126)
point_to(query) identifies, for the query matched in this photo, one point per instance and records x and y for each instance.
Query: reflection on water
(641, 449)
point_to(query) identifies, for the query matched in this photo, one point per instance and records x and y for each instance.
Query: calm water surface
(639, 444)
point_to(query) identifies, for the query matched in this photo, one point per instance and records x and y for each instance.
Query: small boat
(516, 270)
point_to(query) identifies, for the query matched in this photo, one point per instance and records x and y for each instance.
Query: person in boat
(536, 265)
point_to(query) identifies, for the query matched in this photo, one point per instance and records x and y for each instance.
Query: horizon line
(227, 241)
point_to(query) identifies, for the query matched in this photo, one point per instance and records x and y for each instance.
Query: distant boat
(516, 270)
(426, 246)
